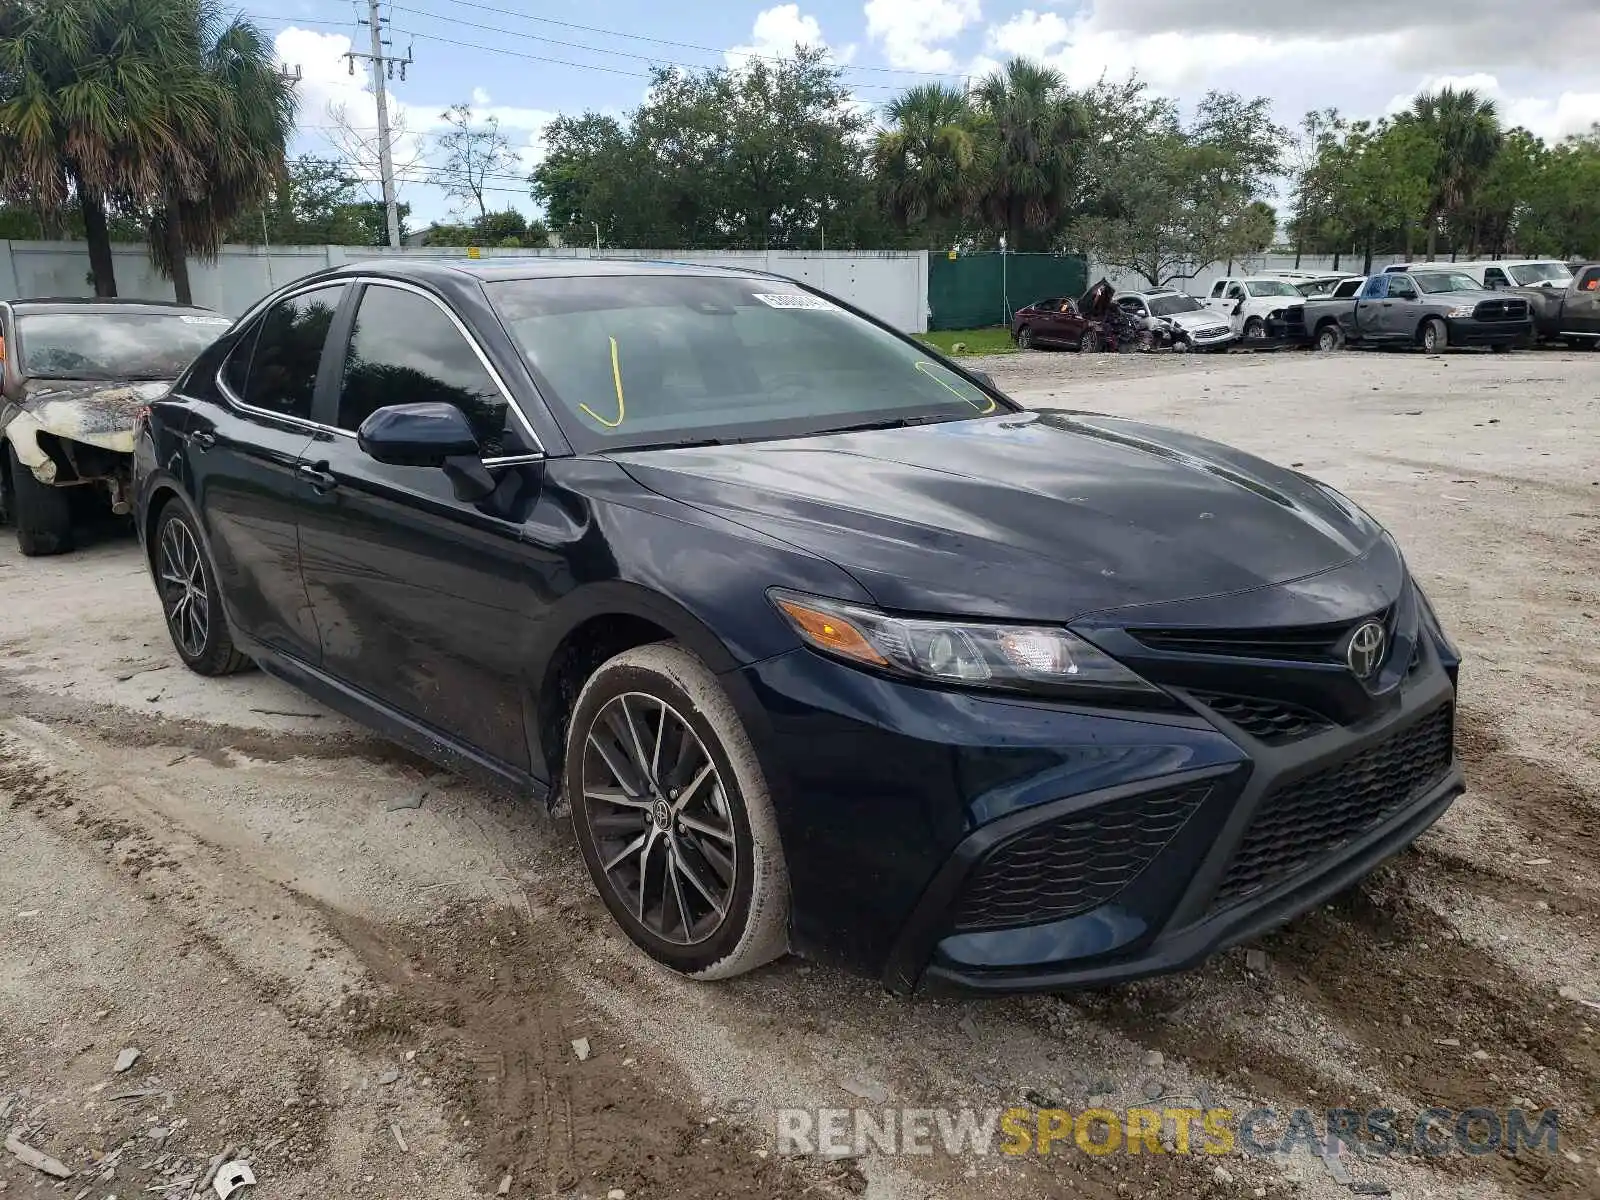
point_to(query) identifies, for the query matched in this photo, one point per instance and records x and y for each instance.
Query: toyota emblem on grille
(1365, 651)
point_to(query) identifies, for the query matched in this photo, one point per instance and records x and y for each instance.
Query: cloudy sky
(1365, 57)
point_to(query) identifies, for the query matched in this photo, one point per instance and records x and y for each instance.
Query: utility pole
(383, 65)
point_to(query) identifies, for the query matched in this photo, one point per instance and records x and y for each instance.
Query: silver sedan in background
(1187, 319)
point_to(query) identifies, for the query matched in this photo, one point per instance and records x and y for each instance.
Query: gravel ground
(367, 977)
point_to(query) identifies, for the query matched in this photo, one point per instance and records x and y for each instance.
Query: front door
(244, 455)
(1402, 313)
(1581, 310)
(425, 602)
(1372, 309)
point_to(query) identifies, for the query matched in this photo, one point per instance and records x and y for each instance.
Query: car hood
(1198, 319)
(100, 414)
(1041, 516)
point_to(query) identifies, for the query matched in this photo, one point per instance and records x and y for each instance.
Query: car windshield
(1529, 274)
(112, 346)
(1271, 287)
(1446, 281)
(660, 360)
(1318, 287)
(1167, 306)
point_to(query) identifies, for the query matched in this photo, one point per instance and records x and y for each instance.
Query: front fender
(23, 435)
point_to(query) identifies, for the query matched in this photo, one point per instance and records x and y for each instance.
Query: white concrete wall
(1258, 264)
(892, 285)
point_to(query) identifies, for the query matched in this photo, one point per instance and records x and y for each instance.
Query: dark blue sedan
(829, 646)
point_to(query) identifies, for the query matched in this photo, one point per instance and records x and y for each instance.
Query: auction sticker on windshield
(190, 320)
(794, 300)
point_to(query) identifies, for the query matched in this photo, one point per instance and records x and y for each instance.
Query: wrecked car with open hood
(74, 374)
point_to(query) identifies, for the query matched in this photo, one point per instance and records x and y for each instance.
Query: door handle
(320, 479)
(202, 439)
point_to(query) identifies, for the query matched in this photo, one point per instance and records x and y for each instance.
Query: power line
(383, 65)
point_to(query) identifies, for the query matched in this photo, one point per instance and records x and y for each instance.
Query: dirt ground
(367, 978)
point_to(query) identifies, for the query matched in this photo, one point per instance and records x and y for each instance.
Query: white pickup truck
(1249, 302)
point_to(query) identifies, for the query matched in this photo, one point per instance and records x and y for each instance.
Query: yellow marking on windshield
(991, 406)
(616, 378)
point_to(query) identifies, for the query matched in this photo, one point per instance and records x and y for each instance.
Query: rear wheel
(672, 815)
(189, 598)
(1330, 338)
(1025, 338)
(1435, 337)
(43, 514)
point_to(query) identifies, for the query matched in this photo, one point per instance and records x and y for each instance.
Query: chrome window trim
(539, 453)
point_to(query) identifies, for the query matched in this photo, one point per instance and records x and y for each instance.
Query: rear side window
(1347, 289)
(281, 376)
(405, 350)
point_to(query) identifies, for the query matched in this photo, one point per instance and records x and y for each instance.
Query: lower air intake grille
(1311, 818)
(1074, 864)
(1269, 720)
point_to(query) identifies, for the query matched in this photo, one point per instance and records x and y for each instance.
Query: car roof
(102, 304)
(531, 267)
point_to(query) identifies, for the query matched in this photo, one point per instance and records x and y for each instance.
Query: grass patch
(995, 340)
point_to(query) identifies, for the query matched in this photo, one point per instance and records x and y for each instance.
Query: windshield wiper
(891, 423)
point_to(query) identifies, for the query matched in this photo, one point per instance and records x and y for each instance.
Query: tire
(1330, 338)
(1434, 336)
(691, 843)
(189, 598)
(43, 514)
(1255, 329)
(1025, 338)
(1089, 342)
(1502, 347)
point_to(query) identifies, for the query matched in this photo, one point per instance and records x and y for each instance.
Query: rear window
(106, 346)
(1533, 274)
(629, 361)
(1271, 287)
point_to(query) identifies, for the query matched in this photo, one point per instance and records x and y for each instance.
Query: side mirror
(429, 435)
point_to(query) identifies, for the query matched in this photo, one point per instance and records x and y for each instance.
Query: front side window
(282, 373)
(96, 346)
(1494, 277)
(650, 360)
(405, 350)
(1376, 287)
(1169, 306)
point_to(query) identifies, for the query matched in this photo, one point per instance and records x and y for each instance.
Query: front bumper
(1471, 331)
(894, 801)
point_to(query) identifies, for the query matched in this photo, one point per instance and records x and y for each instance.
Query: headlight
(1461, 310)
(1013, 657)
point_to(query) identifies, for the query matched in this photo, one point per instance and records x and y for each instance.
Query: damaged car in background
(74, 374)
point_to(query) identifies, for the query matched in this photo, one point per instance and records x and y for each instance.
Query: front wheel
(1255, 329)
(189, 598)
(43, 514)
(672, 815)
(1435, 337)
(1089, 343)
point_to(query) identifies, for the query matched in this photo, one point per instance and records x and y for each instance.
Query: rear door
(245, 439)
(424, 601)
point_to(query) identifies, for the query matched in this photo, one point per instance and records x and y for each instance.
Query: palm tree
(930, 161)
(1466, 128)
(240, 144)
(1038, 126)
(93, 96)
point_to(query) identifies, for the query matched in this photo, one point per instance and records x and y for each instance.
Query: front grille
(1271, 721)
(1074, 864)
(1502, 310)
(1303, 643)
(1307, 820)
(1215, 331)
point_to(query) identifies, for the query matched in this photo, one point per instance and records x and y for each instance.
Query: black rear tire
(1502, 347)
(189, 597)
(1025, 338)
(1330, 338)
(43, 514)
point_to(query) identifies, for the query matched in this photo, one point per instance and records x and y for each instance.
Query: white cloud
(777, 31)
(1030, 33)
(910, 30)
(1551, 118)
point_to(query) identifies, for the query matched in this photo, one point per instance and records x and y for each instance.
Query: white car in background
(1188, 319)
(1250, 302)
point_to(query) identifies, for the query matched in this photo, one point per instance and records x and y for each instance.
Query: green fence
(974, 290)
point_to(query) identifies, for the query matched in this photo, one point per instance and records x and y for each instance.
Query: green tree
(931, 161)
(237, 141)
(1465, 129)
(1385, 174)
(96, 97)
(311, 204)
(1037, 132)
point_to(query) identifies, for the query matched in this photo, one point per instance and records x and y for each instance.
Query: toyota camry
(828, 645)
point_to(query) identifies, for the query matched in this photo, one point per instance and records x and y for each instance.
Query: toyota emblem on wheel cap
(1365, 651)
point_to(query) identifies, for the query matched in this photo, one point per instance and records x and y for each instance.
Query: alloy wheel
(657, 806)
(1025, 338)
(183, 588)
